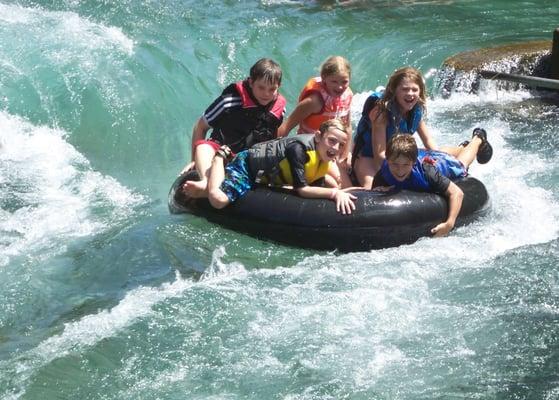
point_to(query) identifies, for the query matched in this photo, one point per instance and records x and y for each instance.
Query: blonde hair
(333, 123)
(337, 124)
(334, 65)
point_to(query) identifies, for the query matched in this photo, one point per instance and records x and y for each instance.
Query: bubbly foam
(50, 193)
(90, 329)
(517, 206)
(138, 304)
(53, 26)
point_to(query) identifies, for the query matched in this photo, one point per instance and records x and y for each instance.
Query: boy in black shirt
(247, 112)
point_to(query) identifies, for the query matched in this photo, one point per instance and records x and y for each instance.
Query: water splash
(218, 270)
(90, 330)
(42, 174)
(449, 80)
(52, 26)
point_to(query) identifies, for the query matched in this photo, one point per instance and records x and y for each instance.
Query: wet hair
(401, 145)
(266, 69)
(388, 100)
(338, 124)
(333, 123)
(334, 65)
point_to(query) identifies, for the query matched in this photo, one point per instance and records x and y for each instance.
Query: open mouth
(331, 154)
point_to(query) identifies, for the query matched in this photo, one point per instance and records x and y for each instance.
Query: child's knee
(204, 150)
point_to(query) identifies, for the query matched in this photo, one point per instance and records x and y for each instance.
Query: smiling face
(264, 92)
(407, 94)
(336, 84)
(331, 144)
(400, 167)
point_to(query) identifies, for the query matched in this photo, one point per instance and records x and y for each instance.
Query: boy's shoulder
(229, 100)
(438, 183)
(233, 88)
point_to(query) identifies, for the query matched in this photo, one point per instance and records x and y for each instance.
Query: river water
(105, 295)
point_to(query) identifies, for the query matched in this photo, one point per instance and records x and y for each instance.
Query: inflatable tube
(380, 219)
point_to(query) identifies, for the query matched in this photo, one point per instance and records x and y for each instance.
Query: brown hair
(401, 145)
(389, 98)
(266, 69)
(335, 65)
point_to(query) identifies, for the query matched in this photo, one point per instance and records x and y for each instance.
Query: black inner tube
(380, 219)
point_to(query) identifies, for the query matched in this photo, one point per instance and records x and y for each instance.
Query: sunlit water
(104, 295)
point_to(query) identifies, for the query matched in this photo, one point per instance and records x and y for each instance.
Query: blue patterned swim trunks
(447, 165)
(237, 180)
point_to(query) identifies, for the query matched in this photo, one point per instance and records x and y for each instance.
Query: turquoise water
(104, 295)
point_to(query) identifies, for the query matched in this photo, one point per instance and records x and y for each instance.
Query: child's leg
(468, 153)
(203, 155)
(365, 169)
(452, 150)
(217, 198)
(203, 160)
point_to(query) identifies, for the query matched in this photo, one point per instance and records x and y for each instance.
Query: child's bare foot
(196, 189)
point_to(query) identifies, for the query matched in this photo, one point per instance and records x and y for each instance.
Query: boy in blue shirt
(406, 167)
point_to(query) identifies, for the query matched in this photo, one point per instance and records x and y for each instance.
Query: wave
(139, 304)
(48, 27)
(50, 193)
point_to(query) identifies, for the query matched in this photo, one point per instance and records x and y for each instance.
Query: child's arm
(378, 126)
(426, 137)
(338, 175)
(309, 105)
(349, 127)
(199, 133)
(454, 195)
(344, 200)
(344, 170)
(296, 157)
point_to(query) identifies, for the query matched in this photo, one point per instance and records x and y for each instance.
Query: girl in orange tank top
(325, 97)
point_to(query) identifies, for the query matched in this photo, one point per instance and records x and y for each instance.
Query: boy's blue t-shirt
(437, 182)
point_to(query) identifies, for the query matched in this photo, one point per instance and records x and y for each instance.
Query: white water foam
(62, 54)
(488, 94)
(93, 328)
(53, 26)
(50, 193)
(522, 214)
(90, 329)
(138, 304)
(218, 270)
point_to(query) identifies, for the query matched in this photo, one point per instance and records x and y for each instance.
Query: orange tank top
(333, 107)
